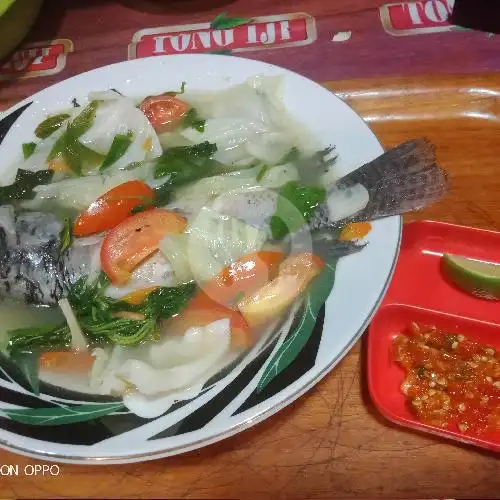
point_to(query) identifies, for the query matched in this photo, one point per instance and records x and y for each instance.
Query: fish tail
(401, 180)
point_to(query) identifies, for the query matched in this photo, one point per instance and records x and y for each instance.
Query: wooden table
(332, 442)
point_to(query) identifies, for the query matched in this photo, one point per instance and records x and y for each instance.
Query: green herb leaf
(66, 234)
(167, 301)
(119, 146)
(50, 125)
(173, 93)
(295, 207)
(42, 337)
(28, 149)
(120, 331)
(27, 363)
(193, 120)
(303, 326)
(262, 173)
(62, 415)
(186, 163)
(22, 189)
(222, 21)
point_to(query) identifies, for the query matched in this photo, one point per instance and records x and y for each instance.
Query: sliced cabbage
(192, 197)
(173, 364)
(247, 121)
(174, 248)
(119, 115)
(216, 240)
(78, 193)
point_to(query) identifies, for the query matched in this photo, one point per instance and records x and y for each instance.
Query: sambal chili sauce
(450, 379)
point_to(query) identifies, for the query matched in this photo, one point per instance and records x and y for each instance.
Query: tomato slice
(136, 238)
(244, 276)
(276, 296)
(202, 311)
(112, 208)
(164, 112)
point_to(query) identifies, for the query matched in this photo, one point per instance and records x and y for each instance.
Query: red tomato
(164, 112)
(136, 238)
(244, 276)
(112, 208)
(202, 311)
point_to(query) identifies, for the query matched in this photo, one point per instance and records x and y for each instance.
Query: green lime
(481, 279)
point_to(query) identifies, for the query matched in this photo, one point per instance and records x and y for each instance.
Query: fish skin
(32, 267)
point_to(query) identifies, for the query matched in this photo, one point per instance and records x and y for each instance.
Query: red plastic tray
(419, 292)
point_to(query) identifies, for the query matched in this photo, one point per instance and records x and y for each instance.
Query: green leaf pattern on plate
(288, 351)
(62, 414)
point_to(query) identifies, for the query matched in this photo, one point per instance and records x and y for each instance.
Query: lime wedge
(481, 279)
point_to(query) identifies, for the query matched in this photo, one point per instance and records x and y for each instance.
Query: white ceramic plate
(234, 402)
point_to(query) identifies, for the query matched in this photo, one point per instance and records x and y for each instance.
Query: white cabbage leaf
(177, 362)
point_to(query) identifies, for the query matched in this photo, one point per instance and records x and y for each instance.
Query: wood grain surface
(332, 442)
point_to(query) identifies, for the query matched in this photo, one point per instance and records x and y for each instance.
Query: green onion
(262, 173)
(83, 121)
(50, 125)
(66, 234)
(28, 149)
(119, 146)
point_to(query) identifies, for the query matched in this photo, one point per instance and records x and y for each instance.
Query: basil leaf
(222, 21)
(28, 149)
(22, 188)
(50, 125)
(296, 205)
(119, 146)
